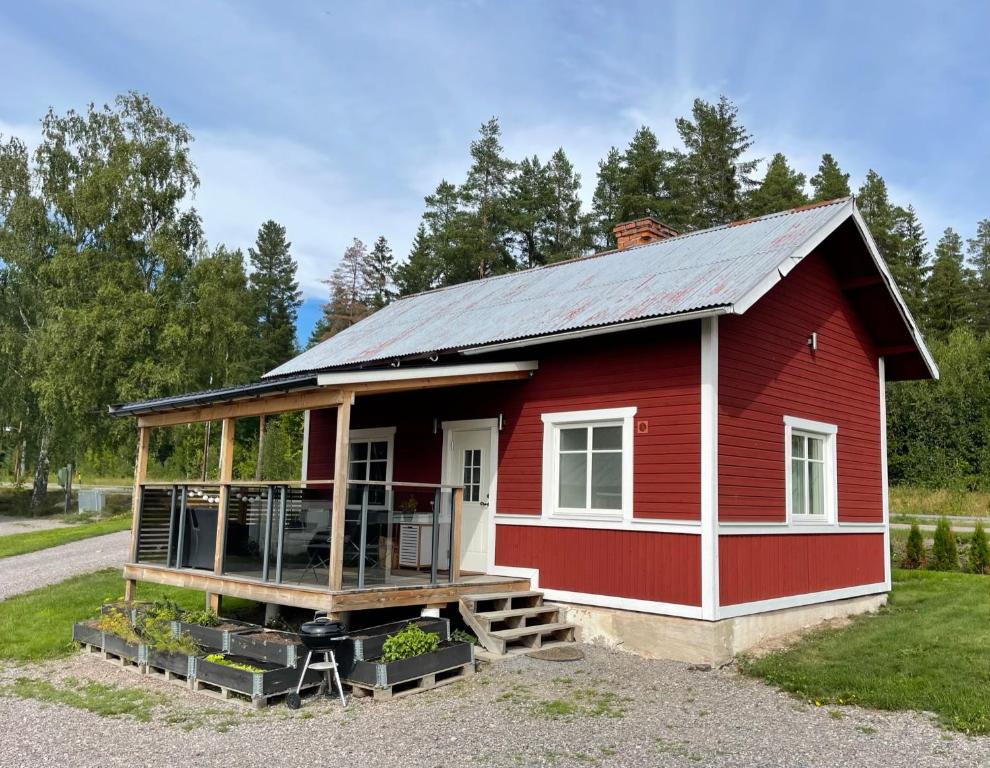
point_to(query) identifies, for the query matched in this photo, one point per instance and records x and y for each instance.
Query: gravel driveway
(611, 709)
(23, 573)
(9, 525)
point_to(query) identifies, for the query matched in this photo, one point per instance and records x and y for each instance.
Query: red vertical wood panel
(767, 371)
(762, 567)
(662, 567)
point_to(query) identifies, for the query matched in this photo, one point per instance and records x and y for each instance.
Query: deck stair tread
(499, 596)
(517, 634)
(532, 629)
(512, 613)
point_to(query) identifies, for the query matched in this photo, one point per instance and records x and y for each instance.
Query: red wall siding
(664, 567)
(657, 370)
(767, 371)
(763, 567)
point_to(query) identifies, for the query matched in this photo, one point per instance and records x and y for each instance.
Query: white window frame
(552, 424)
(374, 435)
(828, 434)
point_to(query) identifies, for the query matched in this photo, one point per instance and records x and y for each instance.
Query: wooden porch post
(455, 535)
(140, 475)
(225, 475)
(340, 456)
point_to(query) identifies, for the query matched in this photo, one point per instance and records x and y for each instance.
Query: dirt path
(9, 525)
(23, 573)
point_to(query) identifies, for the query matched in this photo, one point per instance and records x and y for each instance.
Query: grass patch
(32, 541)
(38, 624)
(99, 698)
(912, 500)
(926, 651)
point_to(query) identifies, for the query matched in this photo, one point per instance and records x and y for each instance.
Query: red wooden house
(681, 442)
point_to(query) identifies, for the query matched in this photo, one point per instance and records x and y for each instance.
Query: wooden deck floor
(319, 598)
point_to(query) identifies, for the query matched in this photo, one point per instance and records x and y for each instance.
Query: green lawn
(928, 650)
(38, 624)
(32, 541)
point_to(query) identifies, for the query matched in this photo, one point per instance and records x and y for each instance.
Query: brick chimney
(640, 232)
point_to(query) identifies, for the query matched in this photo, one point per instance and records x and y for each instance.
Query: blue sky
(337, 118)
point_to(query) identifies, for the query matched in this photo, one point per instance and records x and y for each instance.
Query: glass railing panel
(248, 530)
(305, 538)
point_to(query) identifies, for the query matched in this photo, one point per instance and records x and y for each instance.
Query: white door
(469, 464)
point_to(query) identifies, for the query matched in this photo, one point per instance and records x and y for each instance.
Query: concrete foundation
(703, 642)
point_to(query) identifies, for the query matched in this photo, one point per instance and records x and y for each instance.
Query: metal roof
(701, 270)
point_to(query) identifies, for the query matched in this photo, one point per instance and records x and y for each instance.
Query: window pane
(606, 480)
(377, 470)
(379, 450)
(477, 476)
(358, 470)
(816, 487)
(376, 495)
(816, 448)
(573, 478)
(606, 438)
(359, 451)
(574, 439)
(797, 446)
(797, 487)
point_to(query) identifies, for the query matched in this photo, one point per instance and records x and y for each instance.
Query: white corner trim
(794, 601)
(709, 468)
(811, 426)
(440, 371)
(305, 449)
(602, 601)
(885, 491)
(642, 525)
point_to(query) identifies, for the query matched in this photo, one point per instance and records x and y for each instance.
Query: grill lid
(322, 628)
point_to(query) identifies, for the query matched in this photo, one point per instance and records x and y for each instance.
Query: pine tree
(276, 296)
(563, 228)
(914, 555)
(979, 257)
(605, 203)
(880, 215)
(782, 188)
(945, 554)
(420, 271)
(528, 205)
(947, 295)
(447, 227)
(378, 275)
(979, 550)
(719, 176)
(641, 186)
(910, 267)
(485, 193)
(830, 183)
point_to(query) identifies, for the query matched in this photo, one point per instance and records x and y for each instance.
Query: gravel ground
(9, 525)
(626, 712)
(23, 573)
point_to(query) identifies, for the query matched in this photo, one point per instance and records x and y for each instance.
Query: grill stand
(329, 664)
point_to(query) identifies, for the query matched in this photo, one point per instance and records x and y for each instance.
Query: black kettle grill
(319, 636)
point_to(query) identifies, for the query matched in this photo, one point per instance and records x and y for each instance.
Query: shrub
(411, 641)
(945, 555)
(979, 550)
(164, 609)
(914, 556)
(462, 636)
(116, 623)
(159, 635)
(202, 618)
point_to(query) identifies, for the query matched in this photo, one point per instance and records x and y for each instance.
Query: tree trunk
(68, 487)
(40, 491)
(261, 447)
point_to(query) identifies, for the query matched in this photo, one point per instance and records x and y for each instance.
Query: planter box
(118, 646)
(130, 610)
(179, 663)
(212, 637)
(368, 642)
(88, 632)
(274, 680)
(273, 646)
(379, 674)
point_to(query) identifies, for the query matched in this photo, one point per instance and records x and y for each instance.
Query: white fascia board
(796, 601)
(406, 374)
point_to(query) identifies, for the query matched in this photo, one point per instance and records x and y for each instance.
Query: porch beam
(225, 475)
(455, 535)
(261, 406)
(435, 382)
(340, 454)
(140, 475)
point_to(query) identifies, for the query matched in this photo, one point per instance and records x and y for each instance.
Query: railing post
(140, 475)
(363, 538)
(340, 461)
(180, 547)
(435, 531)
(170, 550)
(456, 500)
(281, 533)
(267, 545)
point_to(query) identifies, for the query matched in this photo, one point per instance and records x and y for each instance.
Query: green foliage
(915, 554)
(782, 188)
(205, 618)
(99, 698)
(219, 658)
(115, 622)
(978, 557)
(409, 642)
(949, 301)
(945, 554)
(276, 297)
(463, 636)
(164, 609)
(830, 183)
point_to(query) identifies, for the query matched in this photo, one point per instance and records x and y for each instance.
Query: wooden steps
(508, 623)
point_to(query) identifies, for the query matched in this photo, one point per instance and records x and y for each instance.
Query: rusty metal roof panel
(697, 271)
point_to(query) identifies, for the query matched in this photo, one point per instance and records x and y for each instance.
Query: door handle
(483, 503)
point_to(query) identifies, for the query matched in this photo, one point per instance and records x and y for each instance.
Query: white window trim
(551, 422)
(374, 434)
(829, 432)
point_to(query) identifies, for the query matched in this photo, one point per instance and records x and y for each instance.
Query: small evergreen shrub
(979, 550)
(914, 555)
(409, 642)
(945, 555)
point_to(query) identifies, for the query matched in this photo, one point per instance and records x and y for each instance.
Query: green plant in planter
(219, 658)
(159, 635)
(164, 609)
(409, 642)
(116, 623)
(202, 618)
(463, 636)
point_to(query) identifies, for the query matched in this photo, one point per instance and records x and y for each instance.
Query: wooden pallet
(408, 688)
(168, 676)
(238, 697)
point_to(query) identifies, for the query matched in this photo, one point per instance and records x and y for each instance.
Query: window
(370, 458)
(587, 463)
(472, 474)
(811, 476)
